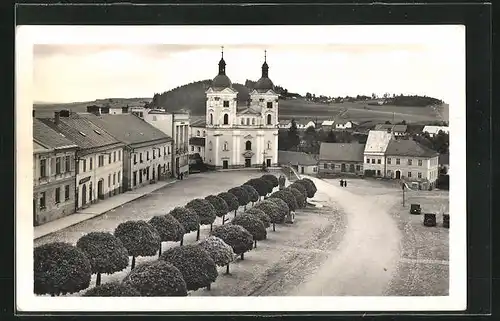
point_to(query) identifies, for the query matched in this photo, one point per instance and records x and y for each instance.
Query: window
(204, 134)
(58, 165)
(84, 165)
(147, 155)
(270, 104)
(119, 174)
(168, 150)
(211, 121)
(358, 168)
(253, 121)
(226, 103)
(243, 121)
(379, 161)
(140, 157)
(90, 163)
(419, 175)
(101, 160)
(269, 119)
(135, 159)
(261, 100)
(379, 173)
(410, 161)
(199, 149)
(114, 178)
(332, 166)
(419, 162)
(248, 121)
(268, 144)
(198, 133)
(325, 166)
(226, 119)
(42, 200)
(67, 164)
(315, 169)
(109, 180)
(389, 161)
(373, 160)
(248, 145)
(164, 150)
(154, 153)
(225, 148)
(119, 155)
(114, 156)
(66, 192)
(398, 161)
(192, 148)
(58, 195)
(368, 161)
(109, 158)
(409, 174)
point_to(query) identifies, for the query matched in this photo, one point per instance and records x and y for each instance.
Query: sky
(349, 63)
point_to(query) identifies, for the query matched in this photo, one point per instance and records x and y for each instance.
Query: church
(241, 136)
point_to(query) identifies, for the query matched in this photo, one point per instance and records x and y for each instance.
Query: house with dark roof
(397, 130)
(98, 165)
(340, 159)
(302, 162)
(408, 160)
(53, 174)
(147, 150)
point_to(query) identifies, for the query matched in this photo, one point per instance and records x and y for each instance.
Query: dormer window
(269, 104)
(226, 103)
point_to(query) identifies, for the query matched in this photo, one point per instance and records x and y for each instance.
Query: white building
(147, 155)
(374, 154)
(327, 125)
(99, 166)
(244, 137)
(434, 130)
(345, 124)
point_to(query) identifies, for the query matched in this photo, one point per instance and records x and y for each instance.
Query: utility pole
(403, 185)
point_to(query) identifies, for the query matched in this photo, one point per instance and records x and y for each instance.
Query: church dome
(221, 81)
(264, 83)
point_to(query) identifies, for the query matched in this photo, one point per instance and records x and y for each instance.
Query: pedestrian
(341, 183)
(345, 183)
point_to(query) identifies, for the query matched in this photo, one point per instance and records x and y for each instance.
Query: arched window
(243, 121)
(226, 146)
(197, 133)
(209, 145)
(211, 119)
(248, 145)
(253, 121)
(268, 144)
(269, 119)
(226, 119)
(204, 134)
(248, 121)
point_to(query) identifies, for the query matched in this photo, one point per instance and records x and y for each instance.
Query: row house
(177, 126)
(147, 153)
(340, 159)
(53, 174)
(303, 163)
(99, 157)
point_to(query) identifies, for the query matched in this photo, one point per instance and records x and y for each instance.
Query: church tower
(264, 98)
(221, 99)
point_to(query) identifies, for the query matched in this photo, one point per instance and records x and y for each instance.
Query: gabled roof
(197, 141)
(82, 132)
(351, 152)
(46, 136)
(377, 141)
(249, 111)
(409, 147)
(202, 122)
(295, 158)
(327, 123)
(127, 128)
(400, 128)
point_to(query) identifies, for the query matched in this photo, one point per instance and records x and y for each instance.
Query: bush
(260, 185)
(271, 178)
(235, 236)
(288, 197)
(157, 278)
(276, 215)
(187, 217)
(241, 194)
(261, 215)
(282, 206)
(308, 186)
(197, 267)
(106, 253)
(300, 187)
(253, 225)
(113, 289)
(299, 197)
(169, 229)
(219, 251)
(252, 193)
(220, 205)
(231, 201)
(311, 183)
(60, 268)
(139, 238)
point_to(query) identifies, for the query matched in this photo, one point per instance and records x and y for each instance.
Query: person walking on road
(345, 183)
(341, 183)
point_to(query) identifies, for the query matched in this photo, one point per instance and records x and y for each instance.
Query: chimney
(56, 117)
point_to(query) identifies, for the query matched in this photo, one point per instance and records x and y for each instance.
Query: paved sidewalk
(97, 209)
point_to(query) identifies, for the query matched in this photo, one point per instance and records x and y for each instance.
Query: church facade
(241, 136)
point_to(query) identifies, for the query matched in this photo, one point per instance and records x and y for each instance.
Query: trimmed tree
(219, 251)
(252, 193)
(288, 197)
(271, 178)
(276, 215)
(241, 194)
(235, 236)
(300, 187)
(113, 289)
(253, 225)
(299, 197)
(282, 206)
(157, 278)
(309, 186)
(168, 227)
(106, 253)
(139, 237)
(312, 183)
(60, 268)
(205, 211)
(197, 267)
(260, 185)
(188, 219)
(231, 201)
(220, 205)
(261, 215)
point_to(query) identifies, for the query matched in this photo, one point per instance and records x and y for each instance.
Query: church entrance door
(225, 164)
(268, 162)
(248, 162)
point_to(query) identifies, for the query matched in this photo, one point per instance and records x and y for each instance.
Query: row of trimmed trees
(61, 268)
